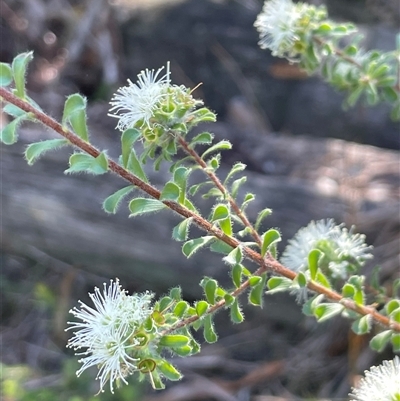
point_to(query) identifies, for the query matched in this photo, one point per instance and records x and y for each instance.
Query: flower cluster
(153, 104)
(381, 383)
(277, 26)
(344, 252)
(106, 333)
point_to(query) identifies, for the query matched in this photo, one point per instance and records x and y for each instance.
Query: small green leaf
(5, 74)
(301, 280)
(390, 94)
(314, 257)
(322, 279)
(326, 311)
(236, 168)
(268, 239)
(257, 291)
(392, 305)
(175, 293)
(348, 290)
(204, 138)
(201, 308)
(191, 246)
(110, 204)
(174, 341)
(13, 110)
(18, 67)
(140, 206)
(379, 342)
(164, 303)
(220, 212)
(181, 231)
(169, 371)
(209, 334)
(8, 135)
(254, 280)
(180, 308)
(170, 192)
(183, 351)
(229, 300)
(237, 275)
(395, 315)
(234, 257)
(261, 216)
(236, 186)
(37, 149)
(220, 247)
(235, 312)
(224, 144)
(75, 114)
(82, 162)
(249, 197)
(395, 340)
(362, 326)
(135, 166)
(323, 28)
(210, 289)
(128, 138)
(278, 284)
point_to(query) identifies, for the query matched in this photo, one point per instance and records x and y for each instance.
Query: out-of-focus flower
(342, 248)
(106, 332)
(381, 383)
(277, 24)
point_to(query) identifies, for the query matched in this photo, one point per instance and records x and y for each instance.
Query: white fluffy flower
(277, 24)
(105, 331)
(137, 101)
(381, 383)
(340, 246)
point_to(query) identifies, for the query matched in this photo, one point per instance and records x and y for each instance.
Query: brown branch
(266, 264)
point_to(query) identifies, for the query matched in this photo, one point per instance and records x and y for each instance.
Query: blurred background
(307, 159)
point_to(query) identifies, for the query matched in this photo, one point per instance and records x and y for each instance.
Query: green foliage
(181, 231)
(75, 115)
(82, 162)
(139, 206)
(269, 240)
(5, 74)
(35, 150)
(193, 245)
(111, 203)
(19, 66)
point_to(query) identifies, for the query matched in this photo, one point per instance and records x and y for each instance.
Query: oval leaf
(190, 247)
(379, 342)
(140, 206)
(174, 341)
(169, 371)
(235, 312)
(209, 334)
(314, 257)
(35, 150)
(110, 205)
(128, 138)
(170, 192)
(222, 145)
(5, 74)
(181, 231)
(18, 67)
(269, 238)
(201, 308)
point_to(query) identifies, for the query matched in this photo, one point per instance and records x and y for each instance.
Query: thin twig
(267, 263)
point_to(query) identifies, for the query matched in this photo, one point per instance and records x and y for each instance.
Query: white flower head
(138, 101)
(105, 331)
(277, 24)
(340, 246)
(381, 383)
